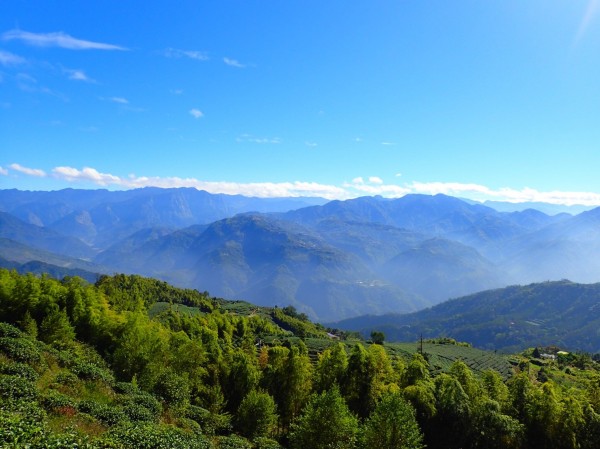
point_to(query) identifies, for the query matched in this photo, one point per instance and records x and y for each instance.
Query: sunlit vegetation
(132, 362)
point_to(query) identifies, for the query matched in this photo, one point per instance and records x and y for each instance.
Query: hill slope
(562, 313)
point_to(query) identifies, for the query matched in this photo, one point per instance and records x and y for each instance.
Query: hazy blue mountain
(547, 208)
(21, 254)
(551, 313)
(42, 238)
(39, 268)
(269, 262)
(568, 249)
(374, 243)
(101, 217)
(340, 258)
(438, 269)
(437, 215)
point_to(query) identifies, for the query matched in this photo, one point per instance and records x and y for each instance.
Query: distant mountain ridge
(560, 313)
(331, 260)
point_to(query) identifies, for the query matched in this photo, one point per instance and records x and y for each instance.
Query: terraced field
(441, 357)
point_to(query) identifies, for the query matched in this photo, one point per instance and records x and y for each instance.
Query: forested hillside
(132, 362)
(560, 313)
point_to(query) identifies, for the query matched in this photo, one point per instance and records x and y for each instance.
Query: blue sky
(486, 100)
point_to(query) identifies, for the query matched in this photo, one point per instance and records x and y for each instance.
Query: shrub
(107, 414)
(233, 442)
(52, 400)
(66, 378)
(91, 371)
(266, 443)
(125, 388)
(152, 436)
(10, 331)
(147, 401)
(211, 423)
(15, 387)
(19, 369)
(137, 412)
(20, 349)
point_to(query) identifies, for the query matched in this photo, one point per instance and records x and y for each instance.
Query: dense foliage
(133, 362)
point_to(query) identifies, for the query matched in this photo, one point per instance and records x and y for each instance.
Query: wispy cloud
(28, 83)
(192, 54)
(234, 63)
(119, 100)
(28, 171)
(9, 59)
(78, 75)
(196, 113)
(3, 171)
(388, 143)
(59, 39)
(592, 10)
(310, 144)
(260, 140)
(375, 180)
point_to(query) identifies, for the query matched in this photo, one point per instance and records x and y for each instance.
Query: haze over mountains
(331, 260)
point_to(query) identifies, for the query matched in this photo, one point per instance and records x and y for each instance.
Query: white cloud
(388, 143)
(260, 140)
(196, 113)
(3, 171)
(482, 193)
(388, 190)
(58, 39)
(7, 58)
(234, 63)
(192, 54)
(358, 187)
(310, 144)
(119, 100)
(28, 171)
(259, 189)
(78, 75)
(86, 174)
(375, 180)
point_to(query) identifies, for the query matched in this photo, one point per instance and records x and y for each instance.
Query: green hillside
(509, 319)
(132, 362)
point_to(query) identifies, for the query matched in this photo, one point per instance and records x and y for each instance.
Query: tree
(331, 368)
(56, 327)
(392, 425)
(377, 337)
(257, 415)
(326, 423)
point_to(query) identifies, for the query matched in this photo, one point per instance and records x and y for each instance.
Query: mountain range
(560, 313)
(331, 260)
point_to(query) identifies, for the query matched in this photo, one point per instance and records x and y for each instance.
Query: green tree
(256, 415)
(331, 368)
(392, 425)
(56, 328)
(325, 423)
(377, 337)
